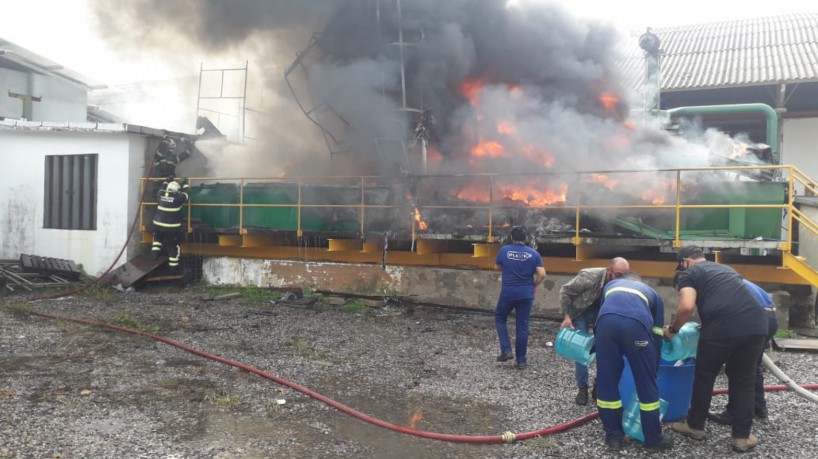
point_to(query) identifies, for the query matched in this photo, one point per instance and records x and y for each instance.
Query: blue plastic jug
(632, 421)
(575, 345)
(683, 345)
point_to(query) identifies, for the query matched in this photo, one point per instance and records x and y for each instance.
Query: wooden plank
(800, 344)
(135, 269)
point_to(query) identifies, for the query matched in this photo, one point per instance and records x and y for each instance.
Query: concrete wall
(455, 287)
(121, 163)
(61, 101)
(446, 286)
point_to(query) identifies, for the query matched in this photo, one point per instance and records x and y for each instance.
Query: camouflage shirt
(582, 291)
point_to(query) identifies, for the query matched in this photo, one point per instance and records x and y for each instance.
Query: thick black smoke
(538, 78)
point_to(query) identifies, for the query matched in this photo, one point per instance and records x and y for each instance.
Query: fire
(532, 194)
(603, 180)
(539, 155)
(506, 127)
(419, 219)
(471, 90)
(473, 191)
(433, 155)
(489, 148)
(660, 191)
(652, 197)
(608, 101)
(535, 196)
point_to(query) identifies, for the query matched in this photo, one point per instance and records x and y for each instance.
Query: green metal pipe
(732, 109)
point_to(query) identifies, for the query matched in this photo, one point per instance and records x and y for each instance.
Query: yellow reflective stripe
(609, 405)
(658, 331)
(628, 290)
(169, 209)
(167, 225)
(649, 406)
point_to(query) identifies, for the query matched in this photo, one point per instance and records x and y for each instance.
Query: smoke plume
(490, 86)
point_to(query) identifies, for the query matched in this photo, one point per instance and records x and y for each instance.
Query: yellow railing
(493, 195)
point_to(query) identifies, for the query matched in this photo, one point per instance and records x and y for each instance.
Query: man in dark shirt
(522, 271)
(760, 409)
(733, 331)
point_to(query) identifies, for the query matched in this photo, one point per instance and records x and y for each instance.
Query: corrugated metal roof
(774, 49)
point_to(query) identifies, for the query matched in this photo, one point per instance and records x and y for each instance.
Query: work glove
(184, 181)
(169, 178)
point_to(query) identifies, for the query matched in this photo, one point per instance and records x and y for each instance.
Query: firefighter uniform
(629, 325)
(167, 221)
(168, 156)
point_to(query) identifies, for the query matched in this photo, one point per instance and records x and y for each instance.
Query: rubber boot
(582, 396)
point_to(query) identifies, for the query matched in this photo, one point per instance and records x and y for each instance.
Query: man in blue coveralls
(522, 270)
(629, 324)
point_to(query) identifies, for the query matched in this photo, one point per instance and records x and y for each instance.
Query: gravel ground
(70, 390)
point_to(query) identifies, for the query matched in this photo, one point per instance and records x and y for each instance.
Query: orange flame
(489, 148)
(608, 101)
(419, 219)
(471, 90)
(539, 154)
(531, 194)
(506, 127)
(603, 180)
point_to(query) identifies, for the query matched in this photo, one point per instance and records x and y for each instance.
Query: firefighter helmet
(167, 146)
(173, 187)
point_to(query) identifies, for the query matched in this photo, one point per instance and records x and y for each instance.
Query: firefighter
(629, 324)
(169, 154)
(167, 222)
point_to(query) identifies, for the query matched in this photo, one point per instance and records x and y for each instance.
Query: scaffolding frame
(242, 115)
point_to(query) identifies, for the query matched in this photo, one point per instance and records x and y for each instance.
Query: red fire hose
(507, 437)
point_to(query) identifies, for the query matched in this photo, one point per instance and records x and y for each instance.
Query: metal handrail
(789, 173)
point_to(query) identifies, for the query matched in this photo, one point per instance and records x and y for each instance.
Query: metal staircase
(798, 263)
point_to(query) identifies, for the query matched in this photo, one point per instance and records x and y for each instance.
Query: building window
(70, 192)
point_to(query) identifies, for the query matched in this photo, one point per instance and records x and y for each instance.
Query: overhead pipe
(732, 109)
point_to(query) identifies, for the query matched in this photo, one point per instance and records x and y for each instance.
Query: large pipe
(732, 109)
(786, 380)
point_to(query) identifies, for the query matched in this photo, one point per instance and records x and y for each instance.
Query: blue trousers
(617, 336)
(583, 322)
(522, 313)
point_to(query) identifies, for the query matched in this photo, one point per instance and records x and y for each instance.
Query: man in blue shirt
(522, 270)
(629, 325)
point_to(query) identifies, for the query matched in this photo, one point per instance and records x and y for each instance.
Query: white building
(69, 187)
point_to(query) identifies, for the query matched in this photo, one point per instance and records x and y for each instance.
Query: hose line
(506, 437)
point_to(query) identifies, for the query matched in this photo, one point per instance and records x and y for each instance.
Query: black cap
(689, 251)
(519, 234)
